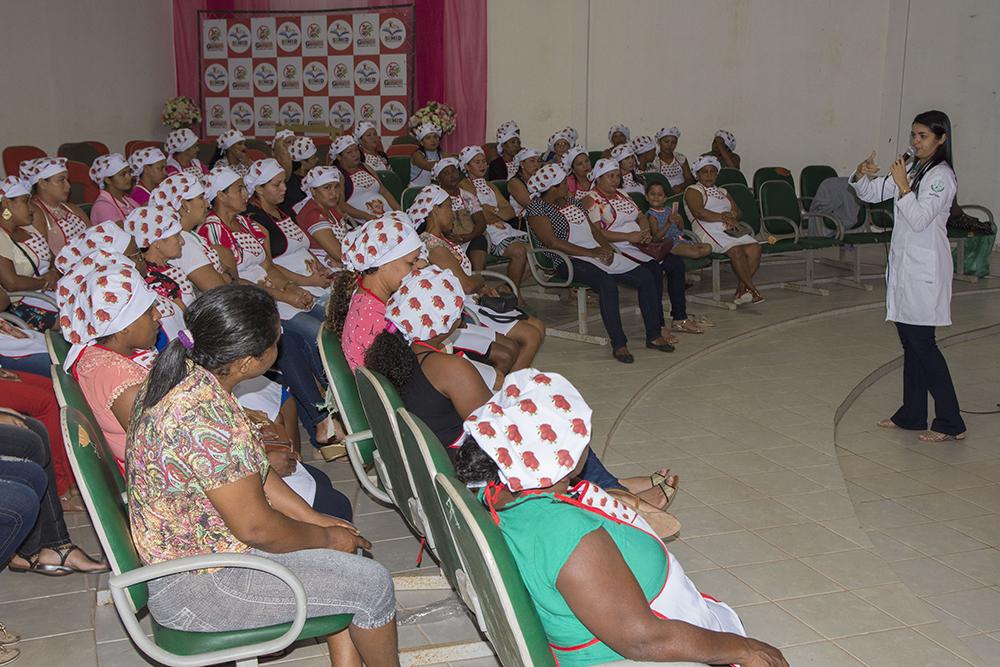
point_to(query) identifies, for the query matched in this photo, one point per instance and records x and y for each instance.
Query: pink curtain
(449, 58)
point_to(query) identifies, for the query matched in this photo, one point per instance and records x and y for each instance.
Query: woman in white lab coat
(918, 279)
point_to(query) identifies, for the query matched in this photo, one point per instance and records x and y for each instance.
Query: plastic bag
(450, 607)
(977, 255)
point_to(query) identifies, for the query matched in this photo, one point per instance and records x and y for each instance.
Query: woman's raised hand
(867, 168)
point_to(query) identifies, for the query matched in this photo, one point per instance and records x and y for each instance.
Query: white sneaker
(746, 297)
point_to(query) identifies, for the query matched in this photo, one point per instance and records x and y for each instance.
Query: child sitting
(667, 224)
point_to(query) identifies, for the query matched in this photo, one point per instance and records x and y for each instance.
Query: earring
(7, 215)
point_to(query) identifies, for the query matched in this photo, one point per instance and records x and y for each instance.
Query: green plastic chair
(427, 458)
(779, 204)
(595, 156)
(765, 174)
(810, 179)
(380, 402)
(501, 185)
(729, 176)
(94, 468)
(747, 203)
(359, 441)
(491, 584)
(640, 201)
(391, 182)
(57, 346)
(657, 177)
(409, 194)
(400, 165)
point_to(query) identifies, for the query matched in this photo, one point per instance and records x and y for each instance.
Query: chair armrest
(768, 233)
(41, 296)
(692, 237)
(15, 320)
(501, 277)
(827, 218)
(539, 275)
(472, 315)
(119, 583)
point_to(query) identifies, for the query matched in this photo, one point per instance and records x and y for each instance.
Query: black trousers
(926, 371)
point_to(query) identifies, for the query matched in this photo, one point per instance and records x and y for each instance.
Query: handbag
(502, 303)
(658, 250)
(963, 222)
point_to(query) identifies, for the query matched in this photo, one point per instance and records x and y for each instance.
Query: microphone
(910, 152)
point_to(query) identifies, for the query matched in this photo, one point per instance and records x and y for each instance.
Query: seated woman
(377, 257)
(505, 239)
(715, 218)
(231, 152)
(234, 505)
(526, 163)
(625, 226)
(45, 547)
(508, 342)
(723, 145)
(55, 218)
(25, 257)
(149, 167)
(645, 152)
(365, 198)
(113, 176)
(666, 224)
(617, 135)
(605, 587)
(320, 217)
(558, 144)
(443, 388)
(303, 157)
(558, 223)
(673, 165)
(631, 180)
(182, 153)
(576, 163)
(366, 134)
(468, 221)
(509, 142)
(21, 348)
(428, 153)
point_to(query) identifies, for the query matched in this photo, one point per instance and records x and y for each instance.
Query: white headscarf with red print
(180, 140)
(144, 156)
(261, 172)
(425, 201)
(105, 166)
(378, 242)
(106, 236)
(547, 176)
(175, 189)
(43, 167)
(427, 304)
(535, 428)
(152, 223)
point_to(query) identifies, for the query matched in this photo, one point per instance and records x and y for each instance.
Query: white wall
(76, 71)
(797, 81)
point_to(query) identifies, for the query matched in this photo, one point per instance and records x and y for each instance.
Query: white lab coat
(918, 278)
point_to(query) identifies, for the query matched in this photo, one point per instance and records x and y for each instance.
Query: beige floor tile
(979, 608)
(982, 565)
(899, 602)
(943, 506)
(893, 485)
(986, 647)
(838, 614)
(722, 585)
(857, 466)
(887, 514)
(719, 490)
(799, 456)
(701, 521)
(853, 569)
(849, 528)
(761, 513)
(77, 649)
(937, 632)
(900, 648)
(822, 654)
(901, 459)
(742, 464)
(985, 496)
(690, 558)
(785, 579)
(985, 529)
(740, 548)
(781, 483)
(828, 476)
(934, 539)
(43, 617)
(807, 539)
(926, 576)
(770, 623)
(820, 506)
(948, 478)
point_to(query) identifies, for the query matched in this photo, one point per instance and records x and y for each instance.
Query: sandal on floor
(8, 637)
(887, 423)
(757, 298)
(8, 654)
(662, 482)
(686, 326)
(60, 570)
(333, 451)
(662, 347)
(664, 524)
(71, 501)
(623, 355)
(701, 320)
(935, 437)
(746, 297)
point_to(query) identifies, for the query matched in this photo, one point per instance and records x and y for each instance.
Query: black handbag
(961, 221)
(502, 303)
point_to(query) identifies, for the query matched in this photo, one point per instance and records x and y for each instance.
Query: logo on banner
(314, 76)
(239, 38)
(214, 43)
(216, 77)
(366, 35)
(393, 76)
(264, 41)
(291, 113)
(265, 76)
(366, 75)
(340, 80)
(339, 34)
(265, 119)
(393, 33)
(289, 77)
(242, 116)
(393, 116)
(341, 115)
(367, 111)
(289, 36)
(217, 117)
(241, 79)
(314, 36)
(315, 114)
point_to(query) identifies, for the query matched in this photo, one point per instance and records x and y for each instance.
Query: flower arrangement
(436, 113)
(180, 112)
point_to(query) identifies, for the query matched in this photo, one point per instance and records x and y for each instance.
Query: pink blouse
(140, 195)
(103, 375)
(107, 209)
(365, 321)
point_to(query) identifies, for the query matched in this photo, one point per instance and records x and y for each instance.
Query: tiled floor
(873, 551)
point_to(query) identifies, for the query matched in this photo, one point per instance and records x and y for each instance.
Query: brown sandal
(887, 423)
(935, 437)
(664, 524)
(686, 326)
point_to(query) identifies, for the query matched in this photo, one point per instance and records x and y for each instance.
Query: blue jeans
(22, 485)
(329, 500)
(595, 472)
(301, 369)
(36, 364)
(307, 323)
(926, 371)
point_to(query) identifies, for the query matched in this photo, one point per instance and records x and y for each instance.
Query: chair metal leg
(807, 286)
(960, 274)
(716, 300)
(855, 266)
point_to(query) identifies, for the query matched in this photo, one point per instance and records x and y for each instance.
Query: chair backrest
(345, 390)
(93, 466)
(380, 401)
(69, 395)
(206, 151)
(748, 205)
(777, 198)
(882, 214)
(765, 174)
(810, 178)
(256, 154)
(13, 156)
(80, 151)
(595, 156)
(409, 194)
(135, 144)
(679, 200)
(401, 150)
(427, 458)
(82, 190)
(542, 260)
(640, 201)
(657, 177)
(400, 165)
(405, 140)
(501, 185)
(57, 346)
(99, 146)
(391, 182)
(262, 147)
(728, 175)
(491, 583)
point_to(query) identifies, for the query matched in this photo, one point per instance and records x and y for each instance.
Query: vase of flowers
(180, 112)
(435, 113)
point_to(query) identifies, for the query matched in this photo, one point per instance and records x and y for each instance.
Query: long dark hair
(391, 356)
(341, 293)
(227, 323)
(939, 124)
